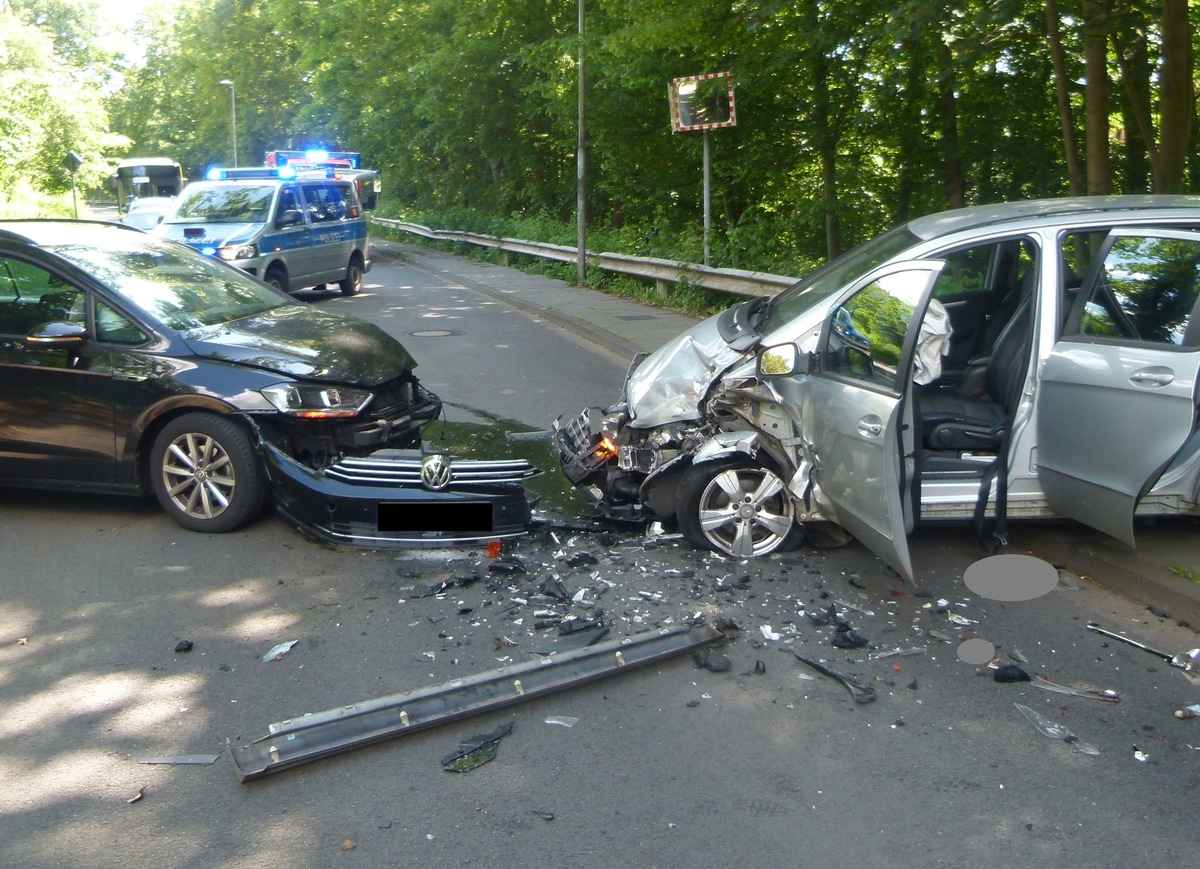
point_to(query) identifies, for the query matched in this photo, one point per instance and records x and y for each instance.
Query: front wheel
(277, 278)
(352, 283)
(205, 473)
(737, 507)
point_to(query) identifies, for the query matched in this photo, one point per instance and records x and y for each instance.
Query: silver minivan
(1024, 360)
(293, 233)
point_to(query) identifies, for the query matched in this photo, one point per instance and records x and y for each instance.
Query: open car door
(855, 412)
(1117, 397)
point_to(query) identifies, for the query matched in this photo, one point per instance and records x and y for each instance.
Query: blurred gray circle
(1011, 577)
(976, 651)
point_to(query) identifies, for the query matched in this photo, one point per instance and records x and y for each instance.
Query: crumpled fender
(726, 443)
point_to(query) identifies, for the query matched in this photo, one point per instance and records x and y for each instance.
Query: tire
(205, 473)
(351, 285)
(277, 277)
(738, 507)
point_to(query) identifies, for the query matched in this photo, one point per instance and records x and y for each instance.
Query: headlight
(313, 401)
(238, 251)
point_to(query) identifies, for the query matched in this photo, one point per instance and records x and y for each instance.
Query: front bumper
(380, 500)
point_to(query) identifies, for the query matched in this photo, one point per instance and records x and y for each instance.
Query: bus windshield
(140, 177)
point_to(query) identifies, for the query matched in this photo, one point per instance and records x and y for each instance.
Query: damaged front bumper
(402, 498)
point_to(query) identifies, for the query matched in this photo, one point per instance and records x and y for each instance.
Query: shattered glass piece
(768, 633)
(961, 621)
(1108, 695)
(896, 653)
(575, 640)
(279, 651)
(1056, 731)
(562, 720)
(476, 751)
(544, 814)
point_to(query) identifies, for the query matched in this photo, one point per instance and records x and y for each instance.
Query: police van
(292, 232)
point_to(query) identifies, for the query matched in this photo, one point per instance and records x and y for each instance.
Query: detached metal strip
(321, 734)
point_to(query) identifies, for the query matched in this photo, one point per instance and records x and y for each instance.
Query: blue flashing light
(208, 251)
(286, 172)
(216, 173)
(317, 155)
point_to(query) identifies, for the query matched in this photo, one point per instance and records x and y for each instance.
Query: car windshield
(822, 284)
(224, 203)
(170, 282)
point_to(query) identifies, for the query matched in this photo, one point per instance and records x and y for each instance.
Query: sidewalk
(622, 328)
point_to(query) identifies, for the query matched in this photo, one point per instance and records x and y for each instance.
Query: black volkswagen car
(131, 364)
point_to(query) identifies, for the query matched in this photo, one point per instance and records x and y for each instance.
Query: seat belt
(998, 471)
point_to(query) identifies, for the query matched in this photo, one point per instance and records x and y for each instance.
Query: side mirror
(291, 217)
(57, 336)
(784, 360)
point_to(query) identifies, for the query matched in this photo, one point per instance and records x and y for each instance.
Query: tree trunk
(1066, 116)
(956, 185)
(1176, 98)
(1095, 61)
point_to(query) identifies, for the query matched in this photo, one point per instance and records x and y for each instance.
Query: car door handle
(870, 427)
(1156, 376)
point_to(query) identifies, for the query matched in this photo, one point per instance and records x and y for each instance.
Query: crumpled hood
(669, 383)
(306, 343)
(210, 234)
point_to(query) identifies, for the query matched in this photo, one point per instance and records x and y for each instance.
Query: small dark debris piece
(760, 669)
(1158, 611)
(184, 646)
(1010, 673)
(845, 637)
(554, 588)
(581, 559)
(710, 660)
(724, 623)
(507, 564)
(543, 814)
(913, 686)
(675, 573)
(692, 704)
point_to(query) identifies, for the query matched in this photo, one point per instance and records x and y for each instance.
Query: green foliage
(852, 115)
(50, 75)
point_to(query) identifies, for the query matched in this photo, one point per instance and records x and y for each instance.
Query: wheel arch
(151, 421)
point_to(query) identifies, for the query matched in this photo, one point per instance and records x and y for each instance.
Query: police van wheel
(354, 278)
(277, 278)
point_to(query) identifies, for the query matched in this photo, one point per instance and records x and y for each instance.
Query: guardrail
(664, 273)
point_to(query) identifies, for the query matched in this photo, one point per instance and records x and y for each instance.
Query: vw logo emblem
(435, 472)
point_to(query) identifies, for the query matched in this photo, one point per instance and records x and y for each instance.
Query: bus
(139, 177)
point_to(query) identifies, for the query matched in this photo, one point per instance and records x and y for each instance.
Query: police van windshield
(224, 203)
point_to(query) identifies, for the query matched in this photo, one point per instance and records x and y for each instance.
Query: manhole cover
(434, 333)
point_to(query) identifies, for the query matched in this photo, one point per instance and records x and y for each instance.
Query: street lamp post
(232, 115)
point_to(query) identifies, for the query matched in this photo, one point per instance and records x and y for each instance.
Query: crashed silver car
(1027, 360)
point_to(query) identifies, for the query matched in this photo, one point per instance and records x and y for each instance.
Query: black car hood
(306, 343)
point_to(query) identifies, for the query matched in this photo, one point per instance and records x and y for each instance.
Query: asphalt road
(670, 766)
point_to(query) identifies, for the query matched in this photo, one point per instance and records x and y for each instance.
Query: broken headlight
(316, 401)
